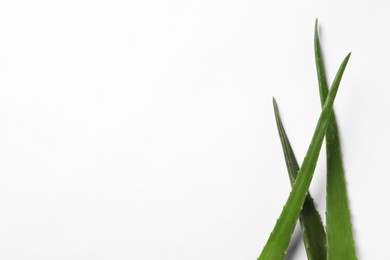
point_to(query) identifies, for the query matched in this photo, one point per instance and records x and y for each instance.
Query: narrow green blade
(312, 228)
(340, 242)
(277, 244)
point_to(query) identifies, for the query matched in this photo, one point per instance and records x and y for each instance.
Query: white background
(145, 130)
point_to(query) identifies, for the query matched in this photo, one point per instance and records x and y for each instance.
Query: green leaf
(312, 228)
(280, 237)
(340, 242)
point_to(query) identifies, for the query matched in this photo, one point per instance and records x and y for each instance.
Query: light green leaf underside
(276, 246)
(312, 228)
(340, 242)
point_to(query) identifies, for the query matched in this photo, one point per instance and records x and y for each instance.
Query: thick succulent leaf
(340, 242)
(275, 248)
(312, 228)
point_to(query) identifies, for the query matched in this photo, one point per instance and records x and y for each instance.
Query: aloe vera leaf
(312, 228)
(276, 246)
(340, 242)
